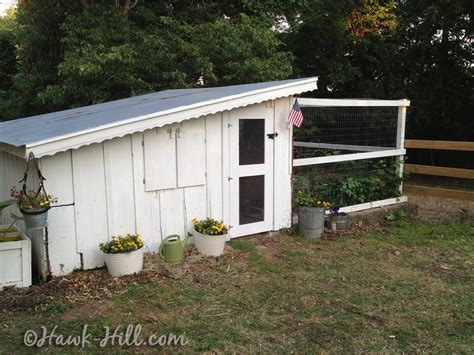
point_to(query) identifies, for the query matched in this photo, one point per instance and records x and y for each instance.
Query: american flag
(295, 117)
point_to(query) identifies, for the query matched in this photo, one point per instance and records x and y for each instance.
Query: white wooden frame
(369, 152)
(349, 157)
(9, 260)
(237, 171)
(304, 102)
(350, 147)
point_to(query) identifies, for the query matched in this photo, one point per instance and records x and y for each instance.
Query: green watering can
(172, 248)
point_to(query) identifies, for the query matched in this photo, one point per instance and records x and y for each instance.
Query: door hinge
(272, 135)
(144, 181)
(143, 143)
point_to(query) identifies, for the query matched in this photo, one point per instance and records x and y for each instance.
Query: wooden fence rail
(439, 170)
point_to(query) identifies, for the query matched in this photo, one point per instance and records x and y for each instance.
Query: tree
(249, 52)
(348, 44)
(7, 65)
(437, 44)
(93, 51)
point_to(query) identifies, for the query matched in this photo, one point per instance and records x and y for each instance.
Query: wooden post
(402, 111)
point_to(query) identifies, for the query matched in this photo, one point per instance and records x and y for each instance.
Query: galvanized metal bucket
(35, 218)
(311, 221)
(342, 222)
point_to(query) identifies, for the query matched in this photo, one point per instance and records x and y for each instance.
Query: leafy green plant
(358, 186)
(304, 198)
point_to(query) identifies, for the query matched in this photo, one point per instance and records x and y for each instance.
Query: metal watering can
(172, 248)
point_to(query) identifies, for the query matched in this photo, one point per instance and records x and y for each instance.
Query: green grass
(407, 289)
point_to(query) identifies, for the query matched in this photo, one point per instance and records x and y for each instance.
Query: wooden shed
(150, 164)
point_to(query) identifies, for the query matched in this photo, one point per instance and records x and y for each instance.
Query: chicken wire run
(345, 130)
(349, 152)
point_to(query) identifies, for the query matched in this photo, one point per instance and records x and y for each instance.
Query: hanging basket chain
(41, 178)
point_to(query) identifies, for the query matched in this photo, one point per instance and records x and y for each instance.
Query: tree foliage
(60, 54)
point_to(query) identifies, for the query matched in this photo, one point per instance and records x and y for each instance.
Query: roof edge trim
(142, 123)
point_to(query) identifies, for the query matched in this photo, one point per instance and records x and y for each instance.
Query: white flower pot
(210, 245)
(124, 263)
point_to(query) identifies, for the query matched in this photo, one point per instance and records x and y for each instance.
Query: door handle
(272, 135)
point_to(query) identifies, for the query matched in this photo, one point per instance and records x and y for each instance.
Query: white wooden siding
(147, 204)
(194, 205)
(191, 153)
(119, 185)
(63, 254)
(214, 160)
(11, 171)
(90, 203)
(282, 166)
(172, 212)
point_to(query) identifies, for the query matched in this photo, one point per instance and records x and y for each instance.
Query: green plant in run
(367, 181)
(304, 198)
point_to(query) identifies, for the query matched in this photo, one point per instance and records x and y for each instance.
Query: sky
(4, 5)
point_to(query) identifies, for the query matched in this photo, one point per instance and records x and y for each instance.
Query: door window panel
(251, 141)
(251, 199)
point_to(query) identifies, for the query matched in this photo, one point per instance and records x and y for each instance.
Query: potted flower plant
(123, 254)
(311, 213)
(34, 206)
(210, 236)
(339, 220)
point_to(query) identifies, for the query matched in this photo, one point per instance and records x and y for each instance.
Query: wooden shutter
(160, 159)
(191, 147)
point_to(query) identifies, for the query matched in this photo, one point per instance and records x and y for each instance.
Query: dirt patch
(267, 245)
(442, 271)
(88, 310)
(437, 209)
(95, 286)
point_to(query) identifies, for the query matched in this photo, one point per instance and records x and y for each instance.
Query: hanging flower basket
(34, 205)
(35, 218)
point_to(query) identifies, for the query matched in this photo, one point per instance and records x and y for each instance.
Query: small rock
(392, 336)
(397, 253)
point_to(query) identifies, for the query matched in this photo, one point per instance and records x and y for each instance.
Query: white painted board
(147, 204)
(160, 158)
(90, 203)
(119, 186)
(191, 153)
(172, 212)
(214, 161)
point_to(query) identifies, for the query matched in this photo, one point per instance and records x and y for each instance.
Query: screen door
(251, 171)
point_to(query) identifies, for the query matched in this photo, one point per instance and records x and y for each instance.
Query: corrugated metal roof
(47, 127)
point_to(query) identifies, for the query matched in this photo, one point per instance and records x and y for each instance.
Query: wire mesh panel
(328, 131)
(327, 165)
(351, 182)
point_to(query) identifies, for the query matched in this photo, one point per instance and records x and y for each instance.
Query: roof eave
(143, 123)
(14, 150)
